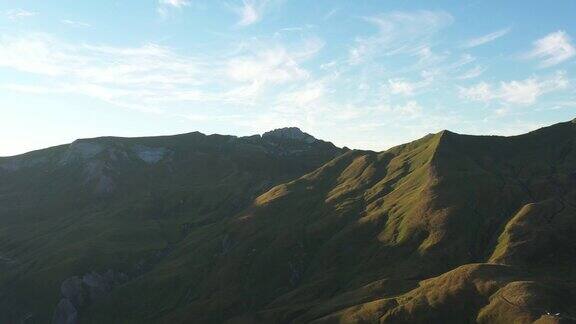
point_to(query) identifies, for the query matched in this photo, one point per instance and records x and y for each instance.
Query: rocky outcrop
(80, 291)
(65, 313)
(97, 285)
(292, 133)
(150, 155)
(72, 290)
(81, 150)
(97, 172)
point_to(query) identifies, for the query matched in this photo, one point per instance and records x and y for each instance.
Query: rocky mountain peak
(293, 133)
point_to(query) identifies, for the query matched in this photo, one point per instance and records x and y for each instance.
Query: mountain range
(287, 228)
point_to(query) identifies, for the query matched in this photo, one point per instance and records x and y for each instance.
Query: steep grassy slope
(447, 229)
(117, 206)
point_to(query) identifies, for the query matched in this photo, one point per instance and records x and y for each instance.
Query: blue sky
(365, 74)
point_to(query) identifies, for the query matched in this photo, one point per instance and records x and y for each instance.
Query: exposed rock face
(81, 291)
(96, 171)
(97, 285)
(71, 290)
(65, 313)
(81, 150)
(292, 133)
(115, 154)
(150, 155)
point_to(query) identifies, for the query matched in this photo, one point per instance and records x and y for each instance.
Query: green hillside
(287, 229)
(119, 205)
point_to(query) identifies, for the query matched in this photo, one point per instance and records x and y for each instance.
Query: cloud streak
(518, 92)
(485, 39)
(552, 49)
(166, 6)
(174, 3)
(399, 33)
(472, 73)
(75, 23)
(17, 14)
(250, 12)
(407, 88)
(151, 77)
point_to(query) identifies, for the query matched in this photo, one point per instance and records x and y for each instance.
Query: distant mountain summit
(292, 133)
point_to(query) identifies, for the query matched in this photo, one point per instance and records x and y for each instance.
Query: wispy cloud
(481, 91)
(151, 77)
(472, 73)
(166, 6)
(407, 88)
(330, 13)
(134, 77)
(522, 92)
(304, 96)
(399, 32)
(485, 39)
(276, 64)
(175, 3)
(401, 87)
(75, 23)
(17, 14)
(410, 109)
(553, 49)
(250, 12)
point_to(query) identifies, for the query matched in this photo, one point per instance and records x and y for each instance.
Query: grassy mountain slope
(119, 205)
(446, 229)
